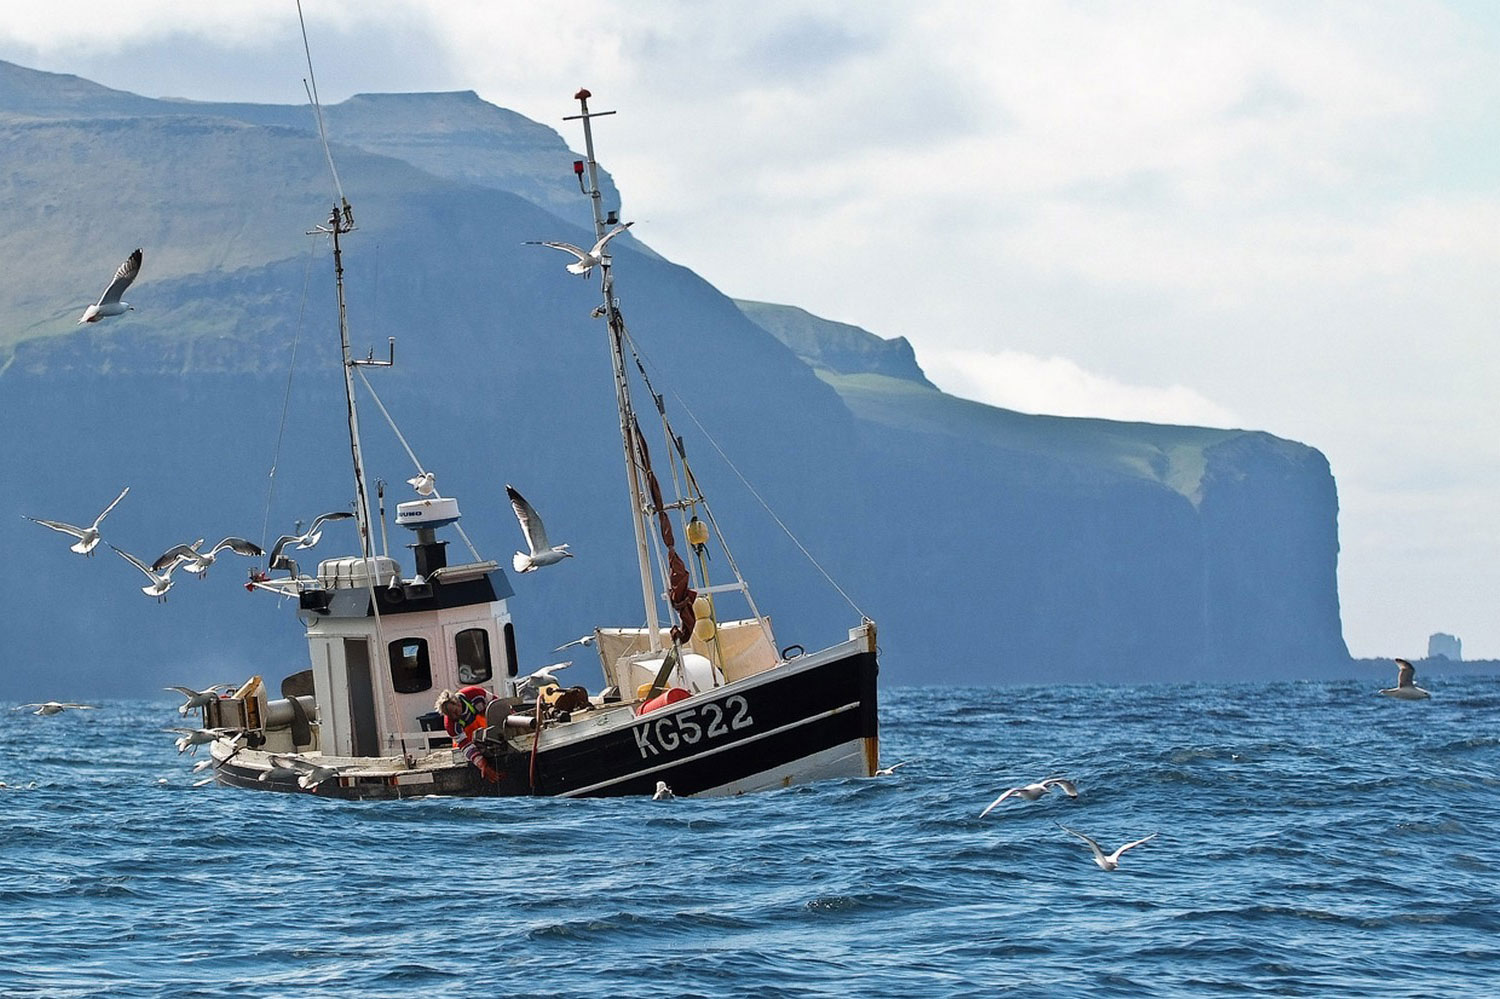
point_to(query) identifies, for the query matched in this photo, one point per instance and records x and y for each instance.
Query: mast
(338, 224)
(616, 324)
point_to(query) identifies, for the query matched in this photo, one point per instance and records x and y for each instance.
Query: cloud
(1057, 386)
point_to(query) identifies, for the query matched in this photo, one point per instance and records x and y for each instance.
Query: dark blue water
(1316, 840)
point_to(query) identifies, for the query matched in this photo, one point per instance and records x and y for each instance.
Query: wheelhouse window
(473, 654)
(411, 670)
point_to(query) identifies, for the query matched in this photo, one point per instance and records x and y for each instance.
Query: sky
(1264, 215)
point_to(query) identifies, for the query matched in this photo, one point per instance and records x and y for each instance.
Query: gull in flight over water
(160, 580)
(196, 561)
(1106, 861)
(313, 535)
(888, 771)
(1406, 688)
(55, 707)
(88, 537)
(198, 698)
(190, 739)
(587, 259)
(585, 640)
(308, 774)
(1031, 792)
(536, 537)
(109, 303)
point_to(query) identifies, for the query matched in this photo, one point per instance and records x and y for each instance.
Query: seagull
(543, 676)
(587, 259)
(307, 773)
(425, 483)
(1106, 861)
(536, 537)
(662, 793)
(55, 707)
(161, 581)
(192, 738)
(313, 535)
(198, 698)
(1031, 792)
(888, 771)
(196, 561)
(585, 640)
(109, 303)
(88, 537)
(1406, 688)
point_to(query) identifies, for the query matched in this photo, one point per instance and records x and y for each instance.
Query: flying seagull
(1406, 688)
(313, 535)
(536, 537)
(109, 303)
(196, 561)
(1031, 792)
(587, 259)
(888, 771)
(160, 580)
(198, 698)
(1106, 861)
(585, 640)
(192, 738)
(88, 537)
(55, 707)
(309, 774)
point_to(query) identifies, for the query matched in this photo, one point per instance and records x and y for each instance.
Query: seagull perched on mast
(88, 537)
(196, 561)
(587, 259)
(536, 537)
(313, 535)
(109, 303)
(161, 580)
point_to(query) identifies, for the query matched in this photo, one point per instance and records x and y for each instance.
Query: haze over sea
(1316, 840)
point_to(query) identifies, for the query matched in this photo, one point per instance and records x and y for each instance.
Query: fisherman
(463, 716)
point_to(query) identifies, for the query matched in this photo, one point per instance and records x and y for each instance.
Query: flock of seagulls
(1031, 792)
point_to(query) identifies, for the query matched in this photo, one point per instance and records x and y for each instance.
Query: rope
(753, 492)
(411, 454)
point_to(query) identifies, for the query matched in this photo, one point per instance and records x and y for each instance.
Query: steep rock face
(989, 545)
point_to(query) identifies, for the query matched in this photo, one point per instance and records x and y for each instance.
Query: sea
(1313, 839)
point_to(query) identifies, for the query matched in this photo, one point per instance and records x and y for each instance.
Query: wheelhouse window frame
(410, 665)
(473, 662)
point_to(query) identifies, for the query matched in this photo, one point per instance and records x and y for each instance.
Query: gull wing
(126, 274)
(172, 555)
(133, 561)
(531, 524)
(237, 545)
(1134, 843)
(997, 801)
(110, 507)
(599, 246)
(58, 525)
(1087, 839)
(582, 255)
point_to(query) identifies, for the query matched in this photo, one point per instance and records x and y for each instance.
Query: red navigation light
(578, 167)
(582, 95)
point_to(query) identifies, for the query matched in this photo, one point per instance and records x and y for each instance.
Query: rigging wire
(411, 454)
(634, 350)
(286, 400)
(312, 96)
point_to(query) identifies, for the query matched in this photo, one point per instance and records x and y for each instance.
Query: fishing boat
(695, 700)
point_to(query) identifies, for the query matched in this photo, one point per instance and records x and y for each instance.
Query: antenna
(312, 96)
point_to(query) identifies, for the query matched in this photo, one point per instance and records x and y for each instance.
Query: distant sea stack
(990, 546)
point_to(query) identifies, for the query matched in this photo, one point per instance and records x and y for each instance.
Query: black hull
(797, 722)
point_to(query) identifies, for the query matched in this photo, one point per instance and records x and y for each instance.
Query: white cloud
(1058, 387)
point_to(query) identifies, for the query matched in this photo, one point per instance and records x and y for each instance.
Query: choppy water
(1316, 840)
